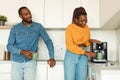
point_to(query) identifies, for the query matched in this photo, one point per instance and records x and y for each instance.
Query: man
(23, 40)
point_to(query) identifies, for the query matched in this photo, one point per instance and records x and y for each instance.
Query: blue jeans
(23, 71)
(75, 66)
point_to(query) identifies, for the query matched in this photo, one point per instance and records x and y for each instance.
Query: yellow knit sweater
(75, 36)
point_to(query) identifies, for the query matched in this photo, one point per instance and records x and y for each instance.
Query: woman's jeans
(75, 66)
(23, 71)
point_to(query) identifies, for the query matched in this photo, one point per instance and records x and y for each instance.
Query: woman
(77, 40)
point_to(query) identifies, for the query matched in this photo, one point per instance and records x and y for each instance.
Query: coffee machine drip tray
(99, 60)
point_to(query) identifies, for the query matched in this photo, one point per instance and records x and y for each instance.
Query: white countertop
(105, 66)
(39, 61)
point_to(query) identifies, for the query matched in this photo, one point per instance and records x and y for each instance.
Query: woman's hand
(96, 41)
(90, 54)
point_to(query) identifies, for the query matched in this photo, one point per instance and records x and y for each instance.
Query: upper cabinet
(37, 10)
(53, 13)
(58, 13)
(68, 8)
(10, 8)
(93, 10)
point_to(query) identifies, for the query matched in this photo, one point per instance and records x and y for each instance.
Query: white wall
(108, 8)
(118, 44)
(58, 37)
(108, 36)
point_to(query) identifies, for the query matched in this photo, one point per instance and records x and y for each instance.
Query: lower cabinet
(56, 73)
(5, 70)
(43, 71)
(104, 71)
(5, 76)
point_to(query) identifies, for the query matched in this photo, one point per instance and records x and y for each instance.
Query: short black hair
(19, 10)
(78, 12)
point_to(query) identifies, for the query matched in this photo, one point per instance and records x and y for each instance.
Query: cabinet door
(5, 71)
(56, 73)
(37, 10)
(68, 8)
(5, 76)
(5, 68)
(92, 9)
(41, 71)
(53, 13)
(110, 74)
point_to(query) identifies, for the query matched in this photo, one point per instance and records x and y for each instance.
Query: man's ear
(20, 16)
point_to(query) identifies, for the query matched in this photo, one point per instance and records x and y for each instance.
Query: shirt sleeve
(48, 42)
(11, 43)
(70, 45)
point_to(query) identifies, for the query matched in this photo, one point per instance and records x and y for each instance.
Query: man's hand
(51, 62)
(26, 53)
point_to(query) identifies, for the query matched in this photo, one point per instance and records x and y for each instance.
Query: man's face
(25, 15)
(81, 21)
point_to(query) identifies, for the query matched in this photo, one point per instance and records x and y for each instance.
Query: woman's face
(81, 21)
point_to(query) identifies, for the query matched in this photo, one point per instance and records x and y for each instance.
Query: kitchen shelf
(6, 27)
(10, 26)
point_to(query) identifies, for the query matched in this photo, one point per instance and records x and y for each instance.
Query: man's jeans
(75, 66)
(23, 71)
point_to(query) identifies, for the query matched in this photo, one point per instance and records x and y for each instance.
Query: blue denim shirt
(27, 38)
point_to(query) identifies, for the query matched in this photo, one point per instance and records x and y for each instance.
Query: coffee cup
(34, 56)
(99, 56)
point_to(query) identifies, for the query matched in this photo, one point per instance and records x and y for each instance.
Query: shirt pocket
(34, 33)
(21, 36)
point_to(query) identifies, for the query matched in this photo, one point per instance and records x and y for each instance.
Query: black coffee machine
(101, 52)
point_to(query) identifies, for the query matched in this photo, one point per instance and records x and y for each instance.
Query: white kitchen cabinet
(110, 75)
(68, 8)
(37, 10)
(92, 9)
(53, 13)
(41, 72)
(57, 72)
(5, 76)
(5, 70)
(104, 71)
(93, 12)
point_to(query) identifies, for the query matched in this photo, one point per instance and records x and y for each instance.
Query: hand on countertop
(51, 62)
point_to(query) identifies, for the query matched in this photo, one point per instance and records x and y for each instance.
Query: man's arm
(11, 43)
(50, 47)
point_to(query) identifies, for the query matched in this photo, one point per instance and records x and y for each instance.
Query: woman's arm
(94, 40)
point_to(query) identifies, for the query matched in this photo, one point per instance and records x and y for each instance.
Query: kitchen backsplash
(58, 38)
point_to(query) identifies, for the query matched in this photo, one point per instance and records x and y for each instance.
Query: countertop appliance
(101, 52)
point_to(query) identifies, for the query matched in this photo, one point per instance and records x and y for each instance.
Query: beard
(27, 21)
